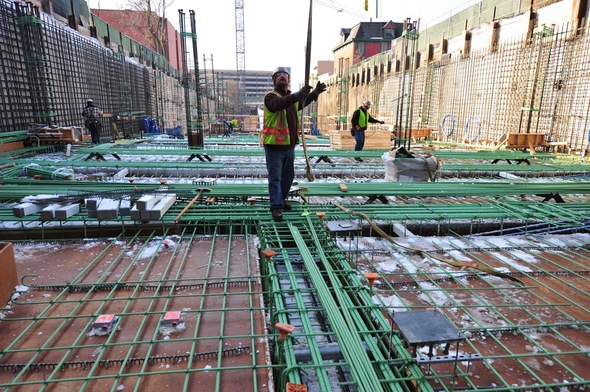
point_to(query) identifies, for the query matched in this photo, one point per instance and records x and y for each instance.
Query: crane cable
(461, 265)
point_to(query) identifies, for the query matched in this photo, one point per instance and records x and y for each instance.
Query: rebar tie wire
(461, 265)
(106, 363)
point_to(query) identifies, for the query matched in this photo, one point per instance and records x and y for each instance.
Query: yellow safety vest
(276, 129)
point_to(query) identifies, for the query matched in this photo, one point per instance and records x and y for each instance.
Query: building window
(360, 48)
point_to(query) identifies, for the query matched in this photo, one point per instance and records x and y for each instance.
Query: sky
(275, 31)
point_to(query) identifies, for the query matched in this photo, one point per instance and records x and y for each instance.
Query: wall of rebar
(49, 70)
(476, 91)
(496, 78)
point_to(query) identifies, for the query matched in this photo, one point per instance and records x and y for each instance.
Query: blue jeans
(359, 137)
(281, 172)
(94, 129)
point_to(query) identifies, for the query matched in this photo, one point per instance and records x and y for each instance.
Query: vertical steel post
(199, 131)
(206, 91)
(185, 78)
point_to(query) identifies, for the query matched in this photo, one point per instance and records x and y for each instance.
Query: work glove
(304, 92)
(381, 122)
(319, 88)
(357, 127)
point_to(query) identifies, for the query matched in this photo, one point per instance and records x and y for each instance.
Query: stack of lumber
(377, 139)
(249, 124)
(58, 134)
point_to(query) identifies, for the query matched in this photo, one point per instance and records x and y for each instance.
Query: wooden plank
(374, 139)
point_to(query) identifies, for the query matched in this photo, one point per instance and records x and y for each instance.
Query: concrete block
(158, 211)
(107, 209)
(146, 202)
(63, 213)
(124, 208)
(134, 213)
(48, 213)
(91, 204)
(25, 209)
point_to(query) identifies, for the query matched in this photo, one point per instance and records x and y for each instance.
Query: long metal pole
(206, 90)
(308, 172)
(215, 90)
(199, 129)
(185, 83)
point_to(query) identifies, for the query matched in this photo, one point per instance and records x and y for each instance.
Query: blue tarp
(150, 126)
(174, 132)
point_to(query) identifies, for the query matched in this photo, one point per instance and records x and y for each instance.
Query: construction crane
(240, 56)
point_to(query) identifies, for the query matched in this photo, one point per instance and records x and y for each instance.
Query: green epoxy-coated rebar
(16, 189)
(366, 315)
(351, 346)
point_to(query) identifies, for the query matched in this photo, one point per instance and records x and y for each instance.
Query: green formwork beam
(14, 188)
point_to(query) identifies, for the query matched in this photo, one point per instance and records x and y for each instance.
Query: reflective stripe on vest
(276, 129)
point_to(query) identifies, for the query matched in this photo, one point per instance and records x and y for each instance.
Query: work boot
(358, 159)
(287, 206)
(277, 215)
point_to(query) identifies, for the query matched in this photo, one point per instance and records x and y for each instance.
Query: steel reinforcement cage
(49, 71)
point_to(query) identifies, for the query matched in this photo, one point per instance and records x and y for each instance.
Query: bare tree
(153, 17)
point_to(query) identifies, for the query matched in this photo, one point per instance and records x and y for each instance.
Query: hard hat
(280, 69)
(89, 100)
(367, 103)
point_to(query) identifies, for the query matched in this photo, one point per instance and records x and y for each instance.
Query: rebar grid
(525, 336)
(323, 278)
(212, 280)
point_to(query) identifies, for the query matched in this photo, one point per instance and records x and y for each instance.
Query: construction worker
(91, 114)
(235, 123)
(280, 135)
(228, 127)
(360, 120)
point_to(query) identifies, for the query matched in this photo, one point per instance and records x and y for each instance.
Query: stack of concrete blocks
(47, 212)
(105, 208)
(152, 207)
(102, 208)
(59, 212)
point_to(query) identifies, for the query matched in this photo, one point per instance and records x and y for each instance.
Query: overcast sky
(275, 31)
